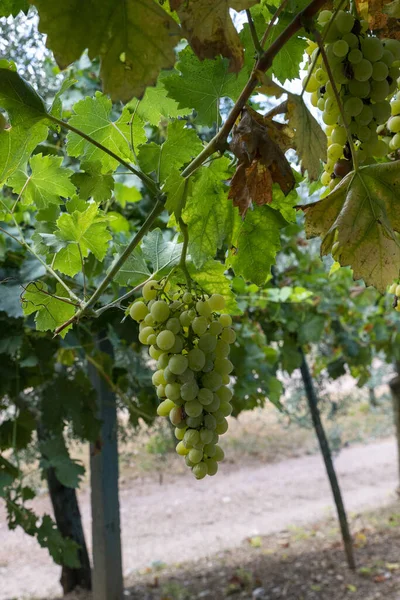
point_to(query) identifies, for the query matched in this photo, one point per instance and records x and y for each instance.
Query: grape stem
(257, 45)
(182, 263)
(121, 299)
(337, 97)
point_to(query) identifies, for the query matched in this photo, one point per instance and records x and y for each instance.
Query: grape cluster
(395, 289)
(365, 70)
(391, 129)
(190, 341)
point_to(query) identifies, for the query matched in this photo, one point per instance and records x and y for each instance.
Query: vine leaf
(13, 7)
(181, 145)
(259, 144)
(208, 213)
(68, 471)
(156, 105)
(177, 190)
(93, 117)
(201, 85)
(211, 277)
(393, 9)
(134, 270)
(27, 114)
(46, 184)
(287, 62)
(363, 215)
(309, 138)
(92, 183)
(256, 243)
(134, 39)
(210, 30)
(50, 312)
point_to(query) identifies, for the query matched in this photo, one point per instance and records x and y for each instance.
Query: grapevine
(190, 340)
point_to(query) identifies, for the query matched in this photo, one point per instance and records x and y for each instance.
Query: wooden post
(326, 454)
(107, 578)
(394, 385)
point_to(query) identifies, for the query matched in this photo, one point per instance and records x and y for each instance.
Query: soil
(186, 520)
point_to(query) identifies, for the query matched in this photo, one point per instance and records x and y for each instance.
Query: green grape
(158, 378)
(191, 438)
(160, 311)
(351, 39)
(215, 404)
(363, 133)
(225, 320)
(185, 318)
(395, 107)
(222, 349)
(138, 311)
(210, 422)
(205, 396)
(160, 391)
(344, 22)
(186, 376)
(379, 71)
(321, 104)
(325, 178)
(335, 151)
(340, 48)
(228, 335)
(207, 342)
(219, 454)
(222, 427)
(321, 76)
(215, 328)
(169, 376)
(355, 56)
(224, 393)
(395, 142)
(187, 298)
(365, 116)
(173, 391)
(393, 46)
(155, 352)
(372, 48)
(352, 107)
(223, 366)
(312, 84)
(216, 302)
(194, 422)
(189, 392)
(226, 408)
(197, 359)
(163, 360)
(179, 433)
(145, 333)
(199, 325)
(381, 112)
(387, 58)
(324, 17)
(363, 70)
(149, 291)
(361, 89)
(178, 345)
(206, 436)
(394, 124)
(149, 320)
(176, 416)
(210, 449)
(173, 325)
(193, 408)
(195, 455)
(181, 450)
(212, 381)
(165, 340)
(339, 136)
(200, 470)
(226, 379)
(152, 340)
(212, 466)
(203, 308)
(379, 91)
(165, 408)
(331, 34)
(218, 416)
(188, 461)
(329, 118)
(314, 99)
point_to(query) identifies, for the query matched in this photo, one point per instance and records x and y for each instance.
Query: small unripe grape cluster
(391, 130)
(190, 340)
(365, 70)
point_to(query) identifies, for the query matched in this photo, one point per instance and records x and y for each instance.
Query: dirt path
(185, 519)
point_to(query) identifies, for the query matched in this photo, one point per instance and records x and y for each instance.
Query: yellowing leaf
(363, 215)
(209, 28)
(309, 138)
(135, 39)
(393, 9)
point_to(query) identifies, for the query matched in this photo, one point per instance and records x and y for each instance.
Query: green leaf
(64, 551)
(362, 214)
(392, 9)
(93, 117)
(27, 115)
(177, 190)
(56, 107)
(181, 145)
(50, 312)
(211, 277)
(309, 138)
(135, 39)
(256, 244)
(46, 184)
(208, 213)
(311, 330)
(87, 228)
(13, 7)
(200, 85)
(68, 260)
(156, 105)
(162, 253)
(92, 183)
(124, 194)
(134, 270)
(17, 433)
(286, 64)
(68, 471)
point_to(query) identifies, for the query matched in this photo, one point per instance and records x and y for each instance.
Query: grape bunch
(391, 129)
(395, 289)
(190, 340)
(365, 70)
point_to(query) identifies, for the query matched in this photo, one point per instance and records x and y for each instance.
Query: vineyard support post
(326, 453)
(394, 385)
(106, 533)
